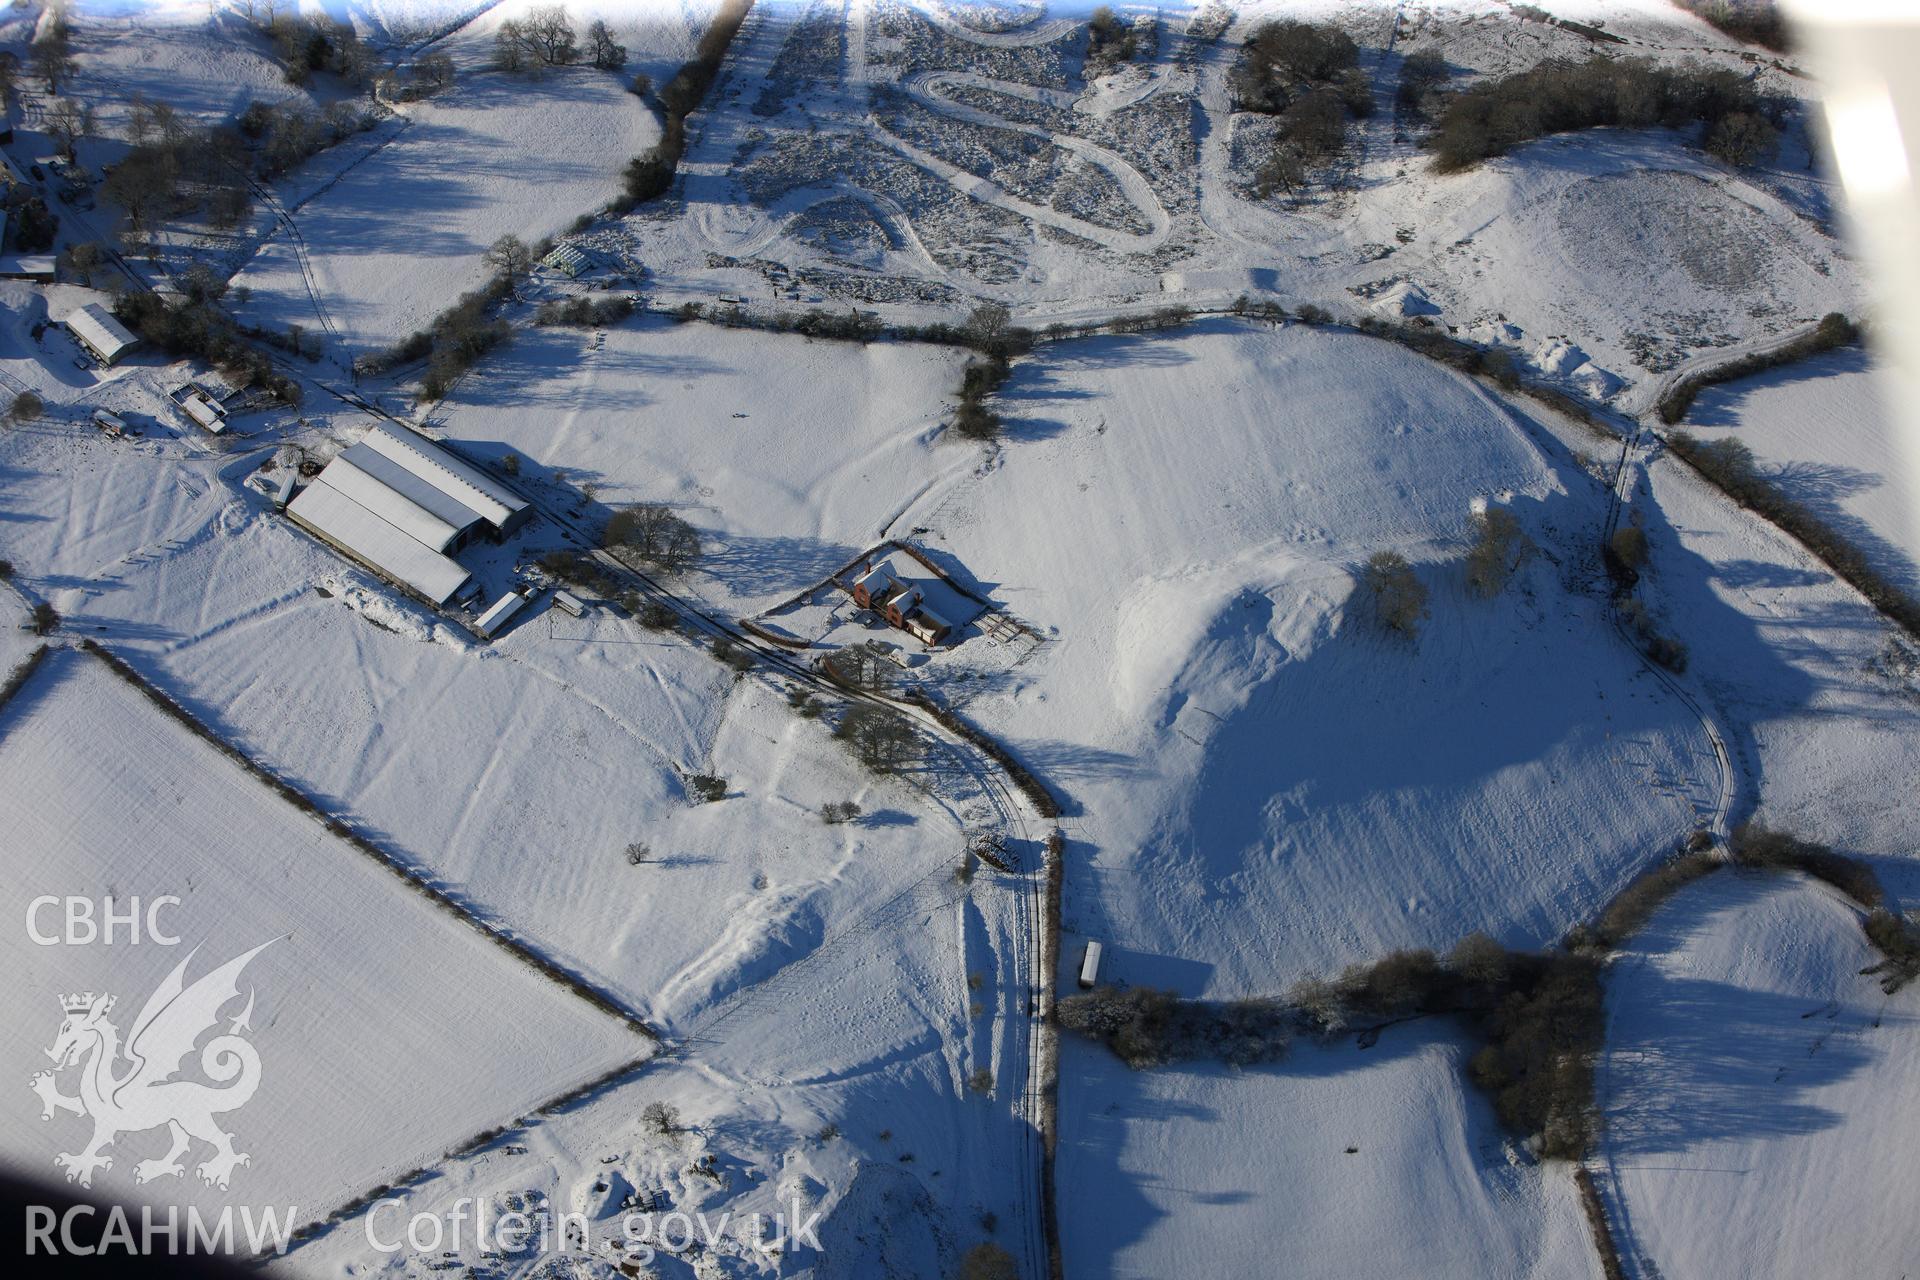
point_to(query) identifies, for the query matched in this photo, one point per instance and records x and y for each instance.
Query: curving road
(1041, 30)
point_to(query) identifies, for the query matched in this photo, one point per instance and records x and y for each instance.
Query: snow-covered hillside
(1758, 1092)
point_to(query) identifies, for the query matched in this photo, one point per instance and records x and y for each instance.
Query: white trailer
(498, 614)
(567, 602)
(1089, 965)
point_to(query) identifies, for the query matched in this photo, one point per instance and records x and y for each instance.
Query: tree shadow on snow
(755, 566)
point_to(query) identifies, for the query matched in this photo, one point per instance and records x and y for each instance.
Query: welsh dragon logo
(130, 1088)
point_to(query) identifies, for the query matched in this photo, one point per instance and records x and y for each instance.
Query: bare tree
(510, 48)
(168, 127)
(661, 1117)
(84, 259)
(603, 50)
(654, 535)
(435, 71)
(860, 667)
(510, 257)
(351, 60)
(1282, 170)
(140, 126)
(879, 737)
(67, 122)
(52, 52)
(1399, 600)
(1499, 547)
(550, 33)
(145, 185)
(987, 325)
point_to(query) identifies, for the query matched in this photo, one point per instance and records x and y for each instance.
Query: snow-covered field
(792, 455)
(1759, 1094)
(207, 66)
(892, 153)
(1823, 429)
(387, 1030)
(1338, 1162)
(385, 706)
(401, 234)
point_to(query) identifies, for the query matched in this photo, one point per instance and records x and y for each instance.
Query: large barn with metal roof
(402, 504)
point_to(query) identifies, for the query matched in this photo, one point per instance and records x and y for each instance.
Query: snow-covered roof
(337, 518)
(400, 497)
(878, 579)
(465, 484)
(202, 411)
(31, 266)
(94, 325)
(498, 612)
(567, 260)
(391, 504)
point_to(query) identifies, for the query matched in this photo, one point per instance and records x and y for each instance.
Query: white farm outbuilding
(95, 328)
(401, 504)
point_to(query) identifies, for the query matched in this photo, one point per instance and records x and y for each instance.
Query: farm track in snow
(1025, 1003)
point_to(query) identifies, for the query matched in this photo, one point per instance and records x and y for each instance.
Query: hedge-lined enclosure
(1834, 330)
(1730, 465)
(1538, 1016)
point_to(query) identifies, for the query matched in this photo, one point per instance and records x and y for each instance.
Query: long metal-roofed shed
(399, 503)
(96, 329)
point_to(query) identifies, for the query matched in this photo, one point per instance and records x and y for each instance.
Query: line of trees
(584, 313)
(546, 38)
(1626, 555)
(1559, 96)
(454, 340)
(308, 45)
(650, 174)
(1754, 21)
(192, 324)
(1148, 1028)
(172, 168)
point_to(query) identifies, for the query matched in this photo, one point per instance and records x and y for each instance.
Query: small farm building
(94, 327)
